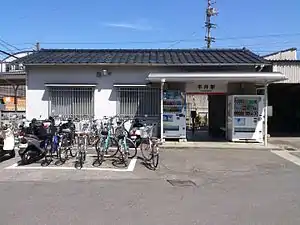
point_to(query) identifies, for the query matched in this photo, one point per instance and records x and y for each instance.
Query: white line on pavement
(286, 155)
(130, 167)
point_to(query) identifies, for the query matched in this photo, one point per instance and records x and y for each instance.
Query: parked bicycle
(82, 143)
(106, 145)
(150, 147)
(127, 146)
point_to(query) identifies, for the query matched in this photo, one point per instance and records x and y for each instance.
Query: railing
(11, 68)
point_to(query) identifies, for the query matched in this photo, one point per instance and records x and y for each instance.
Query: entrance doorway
(209, 111)
(285, 121)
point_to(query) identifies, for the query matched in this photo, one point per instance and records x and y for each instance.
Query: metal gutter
(234, 76)
(69, 85)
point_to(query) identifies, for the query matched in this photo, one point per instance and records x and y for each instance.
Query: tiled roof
(144, 57)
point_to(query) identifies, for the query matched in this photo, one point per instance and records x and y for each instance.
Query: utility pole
(37, 46)
(210, 12)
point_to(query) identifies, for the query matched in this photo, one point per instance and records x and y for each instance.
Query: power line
(162, 41)
(6, 48)
(179, 41)
(10, 45)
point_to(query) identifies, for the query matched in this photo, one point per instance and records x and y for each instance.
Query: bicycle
(49, 152)
(127, 146)
(151, 151)
(104, 141)
(65, 145)
(81, 140)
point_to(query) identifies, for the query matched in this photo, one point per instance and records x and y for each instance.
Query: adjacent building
(13, 83)
(284, 96)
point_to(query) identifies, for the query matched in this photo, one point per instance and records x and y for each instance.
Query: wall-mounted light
(103, 73)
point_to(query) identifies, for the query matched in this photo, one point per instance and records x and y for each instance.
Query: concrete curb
(216, 148)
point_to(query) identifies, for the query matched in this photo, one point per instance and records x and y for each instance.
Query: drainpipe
(266, 116)
(162, 109)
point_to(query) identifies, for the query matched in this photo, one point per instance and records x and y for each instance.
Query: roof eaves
(289, 61)
(281, 51)
(148, 64)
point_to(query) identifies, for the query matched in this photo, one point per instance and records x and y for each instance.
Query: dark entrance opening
(217, 116)
(216, 121)
(285, 99)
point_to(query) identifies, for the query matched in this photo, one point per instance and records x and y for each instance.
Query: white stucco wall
(105, 96)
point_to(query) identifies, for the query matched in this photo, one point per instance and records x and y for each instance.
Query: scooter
(32, 148)
(8, 141)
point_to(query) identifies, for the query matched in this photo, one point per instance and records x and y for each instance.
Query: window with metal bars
(74, 102)
(138, 101)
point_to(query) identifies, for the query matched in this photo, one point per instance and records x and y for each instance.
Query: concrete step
(218, 145)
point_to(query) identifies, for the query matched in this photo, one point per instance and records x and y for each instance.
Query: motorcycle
(8, 142)
(33, 148)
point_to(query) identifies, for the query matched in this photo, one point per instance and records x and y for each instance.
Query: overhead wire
(166, 41)
(10, 45)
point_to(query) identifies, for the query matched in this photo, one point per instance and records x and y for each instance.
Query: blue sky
(160, 23)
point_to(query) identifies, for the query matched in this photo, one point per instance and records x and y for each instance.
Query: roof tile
(144, 56)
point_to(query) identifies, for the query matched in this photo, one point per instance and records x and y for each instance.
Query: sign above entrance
(206, 88)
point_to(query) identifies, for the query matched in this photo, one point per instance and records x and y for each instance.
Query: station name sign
(206, 87)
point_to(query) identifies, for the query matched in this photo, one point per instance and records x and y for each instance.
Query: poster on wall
(10, 104)
(174, 117)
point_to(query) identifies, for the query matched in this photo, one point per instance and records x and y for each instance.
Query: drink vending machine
(174, 117)
(245, 118)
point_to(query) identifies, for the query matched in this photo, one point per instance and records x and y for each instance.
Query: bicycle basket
(146, 131)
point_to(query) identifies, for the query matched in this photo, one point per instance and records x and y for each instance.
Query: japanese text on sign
(206, 87)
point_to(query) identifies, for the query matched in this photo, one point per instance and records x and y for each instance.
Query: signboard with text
(202, 88)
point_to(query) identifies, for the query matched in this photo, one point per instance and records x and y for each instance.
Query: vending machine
(245, 118)
(174, 117)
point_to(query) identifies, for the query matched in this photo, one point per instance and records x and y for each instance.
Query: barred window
(75, 102)
(138, 101)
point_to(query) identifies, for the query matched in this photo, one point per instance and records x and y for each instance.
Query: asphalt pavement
(194, 186)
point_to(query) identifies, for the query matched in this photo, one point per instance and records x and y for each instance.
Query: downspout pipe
(162, 83)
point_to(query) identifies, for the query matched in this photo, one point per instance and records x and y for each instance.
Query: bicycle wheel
(100, 158)
(70, 145)
(79, 161)
(54, 151)
(124, 155)
(132, 149)
(113, 148)
(155, 158)
(47, 160)
(146, 149)
(48, 155)
(72, 151)
(63, 154)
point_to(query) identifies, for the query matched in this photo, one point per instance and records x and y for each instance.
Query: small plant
(198, 120)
